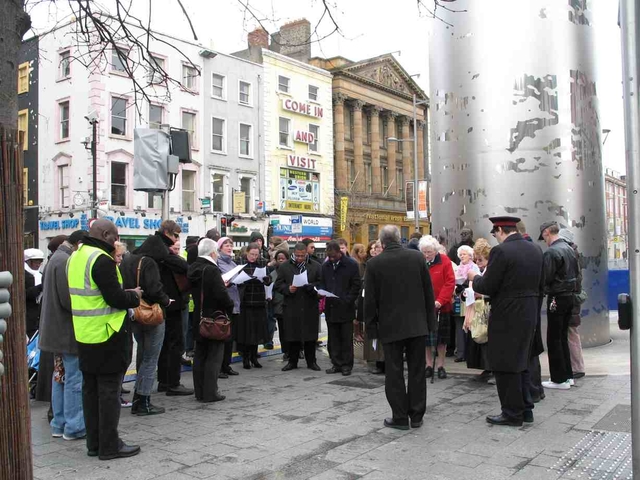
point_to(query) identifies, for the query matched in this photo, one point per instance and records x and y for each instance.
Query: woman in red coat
(444, 282)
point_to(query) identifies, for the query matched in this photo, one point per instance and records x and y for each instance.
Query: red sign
(301, 162)
(304, 137)
(303, 108)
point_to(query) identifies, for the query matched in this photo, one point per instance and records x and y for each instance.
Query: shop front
(363, 226)
(295, 228)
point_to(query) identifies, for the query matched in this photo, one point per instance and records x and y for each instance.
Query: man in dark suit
(340, 275)
(513, 280)
(399, 312)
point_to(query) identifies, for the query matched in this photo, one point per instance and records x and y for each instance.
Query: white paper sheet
(268, 291)
(232, 273)
(470, 296)
(241, 278)
(260, 273)
(326, 293)
(375, 344)
(300, 280)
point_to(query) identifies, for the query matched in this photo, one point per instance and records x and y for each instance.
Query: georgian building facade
(373, 102)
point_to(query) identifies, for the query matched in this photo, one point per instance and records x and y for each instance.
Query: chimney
(293, 40)
(258, 38)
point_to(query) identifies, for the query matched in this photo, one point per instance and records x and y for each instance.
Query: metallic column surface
(515, 128)
(629, 16)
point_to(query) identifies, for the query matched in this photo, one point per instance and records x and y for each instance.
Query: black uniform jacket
(344, 282)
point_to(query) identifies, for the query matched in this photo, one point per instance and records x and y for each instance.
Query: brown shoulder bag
(217, 327)
(147, 314)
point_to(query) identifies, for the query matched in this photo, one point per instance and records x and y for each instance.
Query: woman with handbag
(226, 264)
(212, 301)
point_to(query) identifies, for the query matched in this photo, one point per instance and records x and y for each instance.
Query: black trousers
(101, 405)
(535, 378)
(408, 402)
(228, 346)
(284, 346)
(170, 360)
(340, 344)
(558, 340)
(207, 361)
(513, 390)
(309, 351)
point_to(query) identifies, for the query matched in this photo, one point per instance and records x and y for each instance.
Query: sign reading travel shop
(299, 191)
(304, 137)
(317, 228)
(301, 162)
(303, 108)
(135, 223)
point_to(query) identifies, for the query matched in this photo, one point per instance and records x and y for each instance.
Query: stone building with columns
(372, 102)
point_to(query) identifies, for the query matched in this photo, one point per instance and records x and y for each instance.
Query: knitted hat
(222, 240)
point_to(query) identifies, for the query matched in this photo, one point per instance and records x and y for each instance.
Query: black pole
(94, 148)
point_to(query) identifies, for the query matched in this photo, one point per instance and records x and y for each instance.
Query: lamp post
(415, 161)
(92, 118)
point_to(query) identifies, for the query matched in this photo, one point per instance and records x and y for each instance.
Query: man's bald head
(104, 230)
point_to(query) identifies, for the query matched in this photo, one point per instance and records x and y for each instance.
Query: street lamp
(415, 161)
(92, 118)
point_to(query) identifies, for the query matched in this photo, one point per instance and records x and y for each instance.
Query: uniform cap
(503, 222)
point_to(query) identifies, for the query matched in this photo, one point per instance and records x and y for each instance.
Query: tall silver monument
(515, 128)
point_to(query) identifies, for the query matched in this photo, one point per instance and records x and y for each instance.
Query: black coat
(32, 292)
(112, 356)
(300, 309)
(152, 250)
(215, 296)
(252, 293)
(398, 295)
(344, 282)
(514, 281)
(170, 266)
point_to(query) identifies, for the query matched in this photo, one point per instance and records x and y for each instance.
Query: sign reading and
(299, 190)
(304, 137)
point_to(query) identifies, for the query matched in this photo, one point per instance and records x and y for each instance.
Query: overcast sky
(365, 31)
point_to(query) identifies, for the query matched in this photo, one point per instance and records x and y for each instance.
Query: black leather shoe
(535, 399)
(231, 371)
(527, 417)
(442, 373)
(125, 451)
(346, 372)
(428, 372)
(333, 370)
(459, 360)
(417, 424)
(314, 366)
(391, 423)
(223, 375)
(162, 387)
(289, 366)
(578, 375)
(217, 398)
(503, 420)
(179, 391)
(255, 363)
(92, 453)
(246, 364)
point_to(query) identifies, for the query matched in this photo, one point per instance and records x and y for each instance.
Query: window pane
(217, 136)
(188, 190)
(373, 232)
(155, 116)
(245, 89)
(116, 62)
(315, 130)
(189, 124)
(245, 186)
(155, 68)
(217, 85)
(284, 131)
(217, 192)
(283, 84)
(65, 67)
(400, 182)
(189, 77)
(405, 234)
(64, 120)
(118, 184)
(245, 139)
(118, 116)
(368, 177)
(313, 92)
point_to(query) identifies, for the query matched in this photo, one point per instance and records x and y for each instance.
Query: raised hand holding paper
(232, 273)
(325, 293)
(300, 280)
(260, 273)
(241, 278)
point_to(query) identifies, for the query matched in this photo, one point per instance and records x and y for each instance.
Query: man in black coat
(340, 276)
(399, 312)
(513, 279)
(466, 238)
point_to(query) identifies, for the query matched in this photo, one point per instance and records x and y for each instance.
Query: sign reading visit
(301, 162)
(299, 191)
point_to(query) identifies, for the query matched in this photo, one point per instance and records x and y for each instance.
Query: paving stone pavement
(301, 425)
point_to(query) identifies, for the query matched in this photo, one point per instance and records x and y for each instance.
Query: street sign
(205, 202)
(296, 224)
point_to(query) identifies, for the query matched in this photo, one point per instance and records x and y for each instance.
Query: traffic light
(225, 221)
(6, 279)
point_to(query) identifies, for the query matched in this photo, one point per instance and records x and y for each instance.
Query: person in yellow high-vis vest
(101, 326)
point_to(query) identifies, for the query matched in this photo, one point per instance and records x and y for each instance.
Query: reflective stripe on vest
(192, 305)
(94, 321)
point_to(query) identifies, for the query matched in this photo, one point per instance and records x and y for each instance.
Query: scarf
(301, 266)
(37, 275)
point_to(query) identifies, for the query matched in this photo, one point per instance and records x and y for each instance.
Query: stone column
(407, 150)
(391, 153)
(341, 173)
(358, 158)
(376, 173)
(421, 157)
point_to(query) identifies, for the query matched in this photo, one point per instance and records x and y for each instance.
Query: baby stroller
(33, 362)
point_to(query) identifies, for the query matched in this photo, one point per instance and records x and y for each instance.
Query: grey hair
(206, 247)
(465, 248)
(389, 234)
(429, 242)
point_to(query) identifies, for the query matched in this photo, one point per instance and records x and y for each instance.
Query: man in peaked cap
(514, 281)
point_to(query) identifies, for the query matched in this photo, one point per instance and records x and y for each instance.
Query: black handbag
(216, 327)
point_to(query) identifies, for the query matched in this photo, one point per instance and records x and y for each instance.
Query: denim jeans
(186, 328)
(66, 400)
(149, 341)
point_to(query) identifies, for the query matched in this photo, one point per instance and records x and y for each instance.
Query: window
(348, 123)
(25, 186)
(154, 200)
(218, 86)
(190, 78)
(63, 183)
(118, 184)
(189, 124)
(217, 135)
(217, 192)
(404, 234)
(23, 78)
(373, 233)
(352, 170)
(400, 182)
(313, 93)
(383, 130)
(283, 84)
(118, 59)
(245, 186)
(398, 135)
(64, 65)
(285, 131)
(156, 114)
(245, 140)
(156, 70)
(188, 191)
(368, 177)
(118, 116)
(366, 125)
(315, 130)
(63, 110)
(244, 93)
(23, 126)
(385, 179)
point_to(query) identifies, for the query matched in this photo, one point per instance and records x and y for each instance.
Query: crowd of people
(417, 303)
